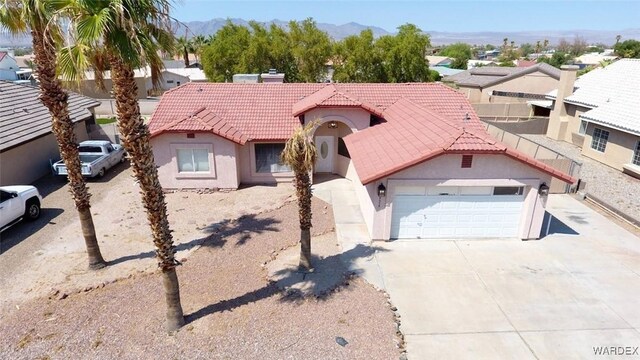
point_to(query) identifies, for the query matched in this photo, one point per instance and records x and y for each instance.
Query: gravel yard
(232, 311)
(608, 184)
(49, 255)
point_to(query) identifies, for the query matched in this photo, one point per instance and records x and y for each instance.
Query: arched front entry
(333, 157)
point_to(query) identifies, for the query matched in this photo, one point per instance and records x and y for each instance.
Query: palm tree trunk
(185, 54)
(55, 99)
(135, 135)
(303, 189)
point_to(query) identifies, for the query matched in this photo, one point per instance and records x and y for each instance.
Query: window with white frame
(583, 127)
(268, 158)
(193, 160)
(636, 155)
(599, 140)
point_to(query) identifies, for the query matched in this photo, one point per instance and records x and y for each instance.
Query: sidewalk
(358, 251)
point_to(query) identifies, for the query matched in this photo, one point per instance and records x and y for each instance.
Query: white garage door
(456, 212)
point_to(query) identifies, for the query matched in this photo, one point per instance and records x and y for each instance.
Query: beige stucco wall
(487, 170)
(222, 161)
(28, 162)
(534, 83)
(349, 121)
(619, 150)
(90, 89)
(572, 120)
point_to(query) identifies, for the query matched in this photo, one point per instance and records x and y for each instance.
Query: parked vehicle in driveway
(19, 201)
(96, 156)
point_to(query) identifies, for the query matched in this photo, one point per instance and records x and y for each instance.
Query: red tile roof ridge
(328, 92)
(198, 115)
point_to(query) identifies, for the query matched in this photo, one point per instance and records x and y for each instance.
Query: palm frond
(300, 152)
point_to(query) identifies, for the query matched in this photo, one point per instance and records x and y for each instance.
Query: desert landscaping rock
(604, 182)
(328, 270)
(232, 310)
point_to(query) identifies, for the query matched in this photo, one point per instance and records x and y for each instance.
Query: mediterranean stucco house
(420, 160)
(600, 113)
(506, 85)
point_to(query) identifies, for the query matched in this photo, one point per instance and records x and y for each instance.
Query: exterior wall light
(382, 191)
(543, 190)
(333, 125)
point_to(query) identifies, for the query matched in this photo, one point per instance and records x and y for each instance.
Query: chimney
(558, 121)
(273, 76)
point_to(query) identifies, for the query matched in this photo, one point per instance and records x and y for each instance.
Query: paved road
(554, 298)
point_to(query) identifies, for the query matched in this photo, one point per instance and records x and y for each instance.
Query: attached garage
(441, 212)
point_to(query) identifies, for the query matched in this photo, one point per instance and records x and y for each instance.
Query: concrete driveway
(554, 298)
(560, 297)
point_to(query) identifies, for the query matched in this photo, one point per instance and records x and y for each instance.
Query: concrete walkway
(556, 298)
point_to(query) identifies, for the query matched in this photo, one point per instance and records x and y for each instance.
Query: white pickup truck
(19, 201)
(96, 156)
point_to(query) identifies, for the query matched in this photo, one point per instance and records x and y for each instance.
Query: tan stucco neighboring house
(505, 85)
(421, 162)
(169, 79)
(600, 112)
(26, 143)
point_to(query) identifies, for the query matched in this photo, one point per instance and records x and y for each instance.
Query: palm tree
(300, 154)
(183, 45)
(18, 16)
(618, 37)
(198, 43)
(131, 32)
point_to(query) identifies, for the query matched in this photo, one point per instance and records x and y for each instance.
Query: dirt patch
(53, 257)
(232, 310)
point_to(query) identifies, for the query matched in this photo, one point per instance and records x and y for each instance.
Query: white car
(19, 201)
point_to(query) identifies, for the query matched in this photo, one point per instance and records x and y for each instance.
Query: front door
(324, 145)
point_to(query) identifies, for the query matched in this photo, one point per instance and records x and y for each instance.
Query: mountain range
(338, 32)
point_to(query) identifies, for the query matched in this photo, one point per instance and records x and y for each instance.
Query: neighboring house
(170, 78)
(25, 61)
(441, 61)
(506, 84)
(174, 77)
(8, 66)
(600, 112)
(480, 63)
(445, 71)
(420, 160)
(525, 63)
(593, 59)
(26, 143)
(489, 55)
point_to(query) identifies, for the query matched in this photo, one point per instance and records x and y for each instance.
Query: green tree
(357, 59)
(280, 54)
(404, 55)
(460, 53)
(223, 56)
(558, 59)
(256, 57)
(628, 49)
(300, 154)
(311, 48)
(526, 49)
(41, 19)
(130, 34)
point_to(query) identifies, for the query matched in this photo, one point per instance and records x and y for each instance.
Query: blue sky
(450, 15)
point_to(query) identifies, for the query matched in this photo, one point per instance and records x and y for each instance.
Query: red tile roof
(203, 120)
(3, 54)
(420, 120)
(331, 96)
(413, 134)
(526, 63)
(265, 111)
